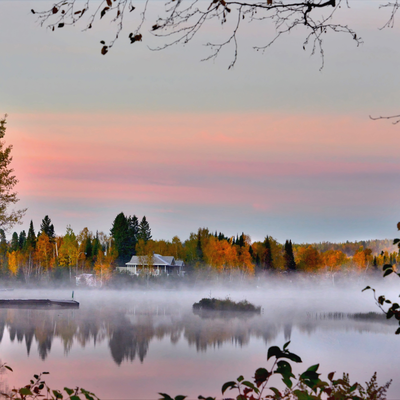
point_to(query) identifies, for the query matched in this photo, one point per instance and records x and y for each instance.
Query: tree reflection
(129, 329)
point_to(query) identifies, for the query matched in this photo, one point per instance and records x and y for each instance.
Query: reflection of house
(158, 265)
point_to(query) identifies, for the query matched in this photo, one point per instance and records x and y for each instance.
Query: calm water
(132, 345)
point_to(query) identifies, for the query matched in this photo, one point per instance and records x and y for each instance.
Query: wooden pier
(46, 304)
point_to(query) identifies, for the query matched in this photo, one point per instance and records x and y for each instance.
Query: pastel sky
(272, 147)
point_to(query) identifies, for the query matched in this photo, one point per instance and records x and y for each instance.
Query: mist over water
(133, 344)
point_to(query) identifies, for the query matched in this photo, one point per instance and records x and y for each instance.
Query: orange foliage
(309, 259)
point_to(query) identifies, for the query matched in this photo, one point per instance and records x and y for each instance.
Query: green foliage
(225, 305)
(8, 181)
(394, 308)
(37, 388)
(308, 385)
(125, 234)
(48, 228)
(290, 264)
(144, 232)
(31, 239)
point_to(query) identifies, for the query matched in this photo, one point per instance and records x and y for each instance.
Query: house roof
(156, 260)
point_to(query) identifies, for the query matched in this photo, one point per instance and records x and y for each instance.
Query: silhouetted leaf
(276, 391)
(104, 50)
(103, 12)
(250, 385)
(274, 351)
(398, 331)
(240, 379)
(261, 376)
(293, 357)
(33, 11)
(285, 346)
(395, 241)
(109, 3)
(285, 369)
(387, 272)
(165, 396)
(54, 10)
(9, 368)
(25, 392)
(366, 288)
(228, 385)
(135, 38)
(398, 226)
(57, 394)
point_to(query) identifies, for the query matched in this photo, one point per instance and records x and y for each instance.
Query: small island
(226, 305)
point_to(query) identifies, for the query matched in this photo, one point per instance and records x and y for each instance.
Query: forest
(45, 256)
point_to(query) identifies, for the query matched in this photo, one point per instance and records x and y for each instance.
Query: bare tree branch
(182, 20)
(390, 117)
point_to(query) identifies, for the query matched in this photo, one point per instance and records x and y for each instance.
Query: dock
(46, 304)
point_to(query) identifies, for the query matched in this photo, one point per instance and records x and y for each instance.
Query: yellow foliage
(13, 262)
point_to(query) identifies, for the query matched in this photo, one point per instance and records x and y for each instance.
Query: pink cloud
(257, 160)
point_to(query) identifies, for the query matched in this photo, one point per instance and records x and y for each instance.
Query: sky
(274, 146)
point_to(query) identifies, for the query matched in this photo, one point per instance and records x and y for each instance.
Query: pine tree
(31, 239)
(120, 234)
(7, 183)
(48, 228)
(144, 230)
(290, 264)
(242, 241)
(14, 242)
(22, 240)
(96, 245)
(267, 256)
(133, 230)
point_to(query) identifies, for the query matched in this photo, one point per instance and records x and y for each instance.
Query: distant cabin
(160, 265)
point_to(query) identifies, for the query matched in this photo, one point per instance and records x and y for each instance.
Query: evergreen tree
(133, 228)
(267, 256)
(22, 240)
(290, 264)
(242, 241)
(120, 234)
(14, 242)
(7, 183)
(96, 245)
(48, 228)
(3, 250)
(144, 230)
(31, 239)
(88, 248)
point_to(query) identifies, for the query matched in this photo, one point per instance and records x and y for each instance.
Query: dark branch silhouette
(180, 21)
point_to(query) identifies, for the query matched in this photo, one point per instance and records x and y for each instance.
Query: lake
(134, 344)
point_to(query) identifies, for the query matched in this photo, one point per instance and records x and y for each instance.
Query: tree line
(45, 255)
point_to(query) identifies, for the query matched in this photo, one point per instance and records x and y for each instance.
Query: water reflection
(130, 328)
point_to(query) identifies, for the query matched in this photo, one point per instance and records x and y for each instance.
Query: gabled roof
(157, 260)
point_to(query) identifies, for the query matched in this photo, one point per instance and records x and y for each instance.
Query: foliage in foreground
(308, 386)
(381, 301)
(225, 305)
(38, 389)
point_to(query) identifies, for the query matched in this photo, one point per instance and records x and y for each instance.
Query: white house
(159, 265)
